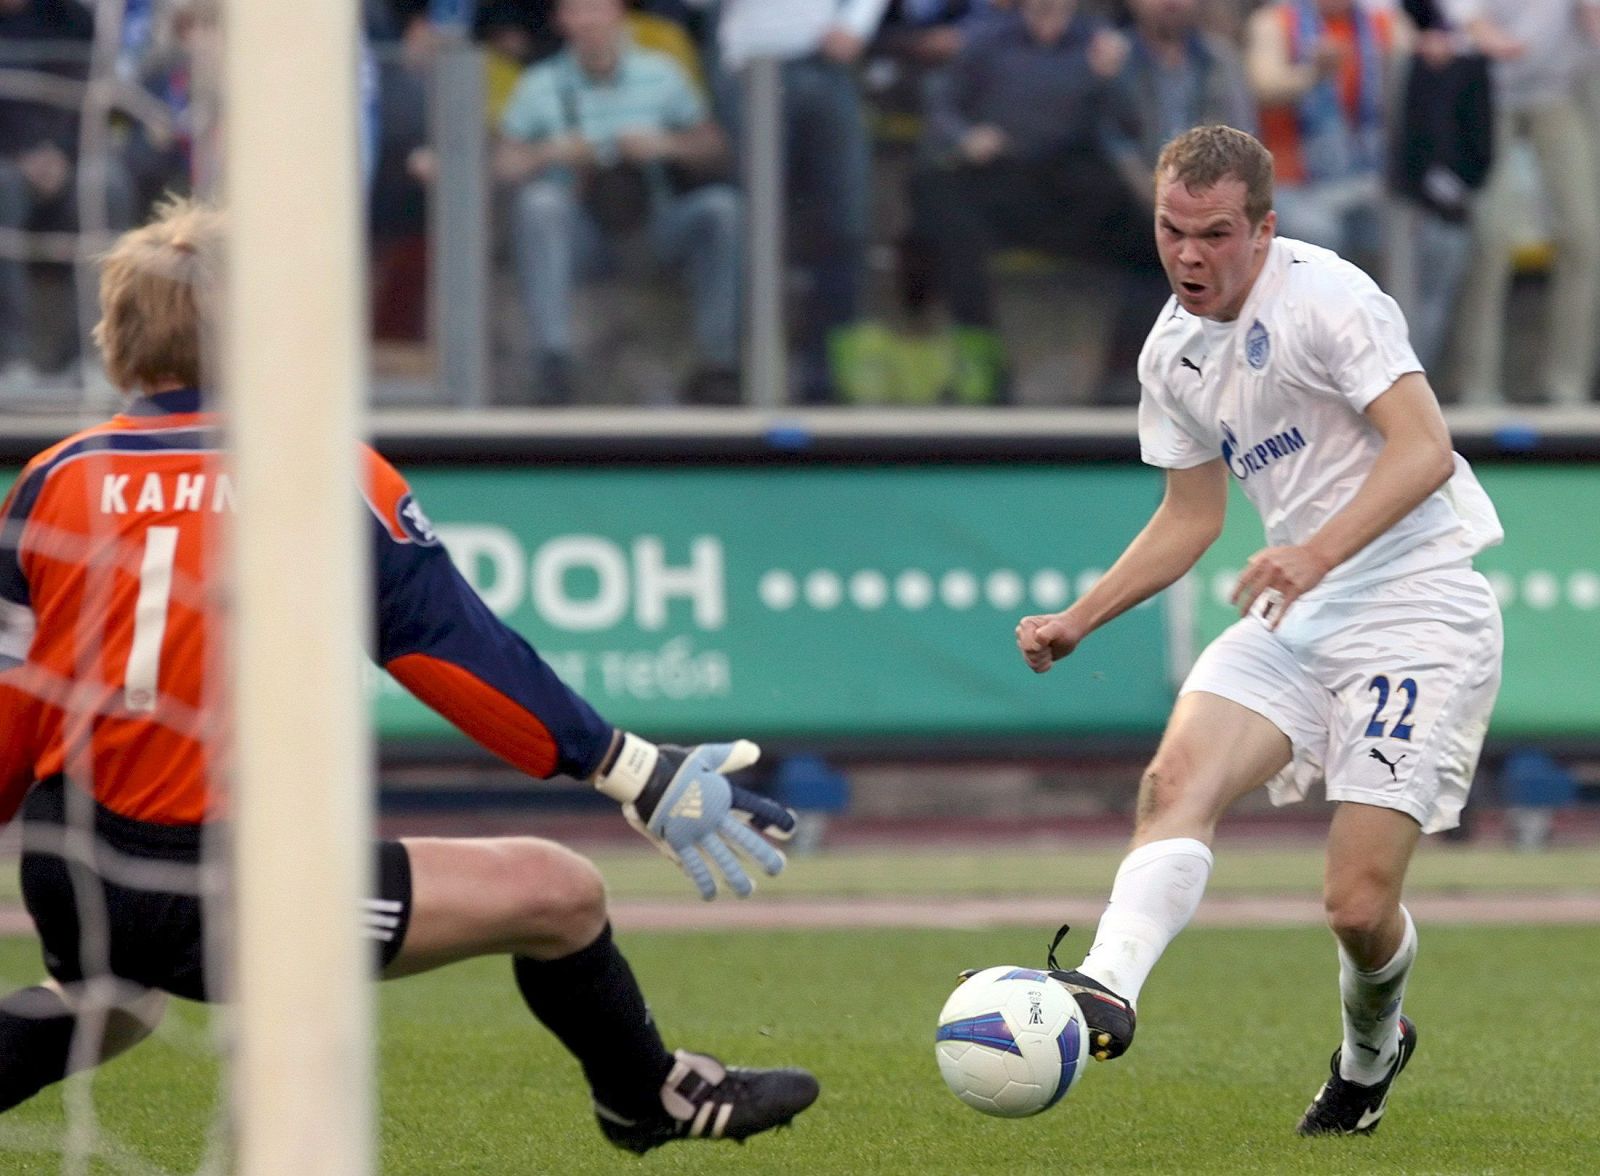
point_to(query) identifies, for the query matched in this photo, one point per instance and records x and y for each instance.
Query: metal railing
(473, 330)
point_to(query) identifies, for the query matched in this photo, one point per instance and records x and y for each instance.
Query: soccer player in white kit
(1367, 655)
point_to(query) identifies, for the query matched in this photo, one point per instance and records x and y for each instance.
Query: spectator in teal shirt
(606, 139)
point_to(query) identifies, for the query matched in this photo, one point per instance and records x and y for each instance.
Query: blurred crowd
(968, 182)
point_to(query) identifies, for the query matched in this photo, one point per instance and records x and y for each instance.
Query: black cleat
(1343, 1107)
(703, 1099)
(1109, 1017)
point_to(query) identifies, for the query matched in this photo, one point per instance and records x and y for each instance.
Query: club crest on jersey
(414, 523)
(1257, 346)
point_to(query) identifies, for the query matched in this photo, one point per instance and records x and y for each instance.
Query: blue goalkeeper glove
(681, 800)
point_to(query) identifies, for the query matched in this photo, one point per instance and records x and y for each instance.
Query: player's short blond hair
(1205, 156)
(160, 297)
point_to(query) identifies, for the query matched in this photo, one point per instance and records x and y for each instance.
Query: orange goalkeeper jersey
(110, 608)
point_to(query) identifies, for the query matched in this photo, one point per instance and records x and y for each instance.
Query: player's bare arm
(1186, 523)
(1416, 459)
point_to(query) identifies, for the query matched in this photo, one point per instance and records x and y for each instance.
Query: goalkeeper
(110, 544)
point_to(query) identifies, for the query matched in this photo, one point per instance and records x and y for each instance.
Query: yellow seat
(668, 36)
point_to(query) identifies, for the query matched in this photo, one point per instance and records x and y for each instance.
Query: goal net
(260, 108)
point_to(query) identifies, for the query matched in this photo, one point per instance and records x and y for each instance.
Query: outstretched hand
(689, 809)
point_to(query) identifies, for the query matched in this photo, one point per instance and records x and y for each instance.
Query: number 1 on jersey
(150, 619)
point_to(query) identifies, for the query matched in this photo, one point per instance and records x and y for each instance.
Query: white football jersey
(1280, 395)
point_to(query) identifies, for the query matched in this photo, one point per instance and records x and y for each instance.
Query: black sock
(591, 1001)
(35, 1039)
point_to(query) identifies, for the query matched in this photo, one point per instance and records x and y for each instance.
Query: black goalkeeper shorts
(147, 896)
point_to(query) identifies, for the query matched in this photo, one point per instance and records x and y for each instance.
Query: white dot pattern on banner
(1540, 589)
(1503, 587)
(1222, 586)
(1004, 589)
(1583, 589)
(959, 589)
(1049, 589)
(869, 590)
(823, 590)
(913, 589)
(777, 590)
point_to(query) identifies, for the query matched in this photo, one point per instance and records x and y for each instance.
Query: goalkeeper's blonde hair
(160, 297)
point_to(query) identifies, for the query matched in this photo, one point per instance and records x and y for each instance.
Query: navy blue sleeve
(13, 517)
(439, 639)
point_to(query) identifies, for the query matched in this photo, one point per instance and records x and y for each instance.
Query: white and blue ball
(1011, 1042)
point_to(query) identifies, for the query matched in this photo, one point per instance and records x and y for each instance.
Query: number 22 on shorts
(1402, 727)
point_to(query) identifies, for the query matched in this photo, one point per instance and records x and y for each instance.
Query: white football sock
(1157, 890)
(1371, 1006)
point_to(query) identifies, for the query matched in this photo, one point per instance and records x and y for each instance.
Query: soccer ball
(1011, 1042)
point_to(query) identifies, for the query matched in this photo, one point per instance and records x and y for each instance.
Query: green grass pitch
(1237, 1027)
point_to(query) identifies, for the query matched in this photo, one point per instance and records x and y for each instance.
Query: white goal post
(293, 375)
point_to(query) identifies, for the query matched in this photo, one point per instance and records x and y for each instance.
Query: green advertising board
(878, 603)
(807, 602)
(1546, 574)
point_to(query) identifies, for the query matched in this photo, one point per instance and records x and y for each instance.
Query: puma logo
(1387, 762)
(1185, 361)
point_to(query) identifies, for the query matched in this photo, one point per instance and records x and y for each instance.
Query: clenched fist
(1045, 640)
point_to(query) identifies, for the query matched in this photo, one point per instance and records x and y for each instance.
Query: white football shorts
(1384, 692)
